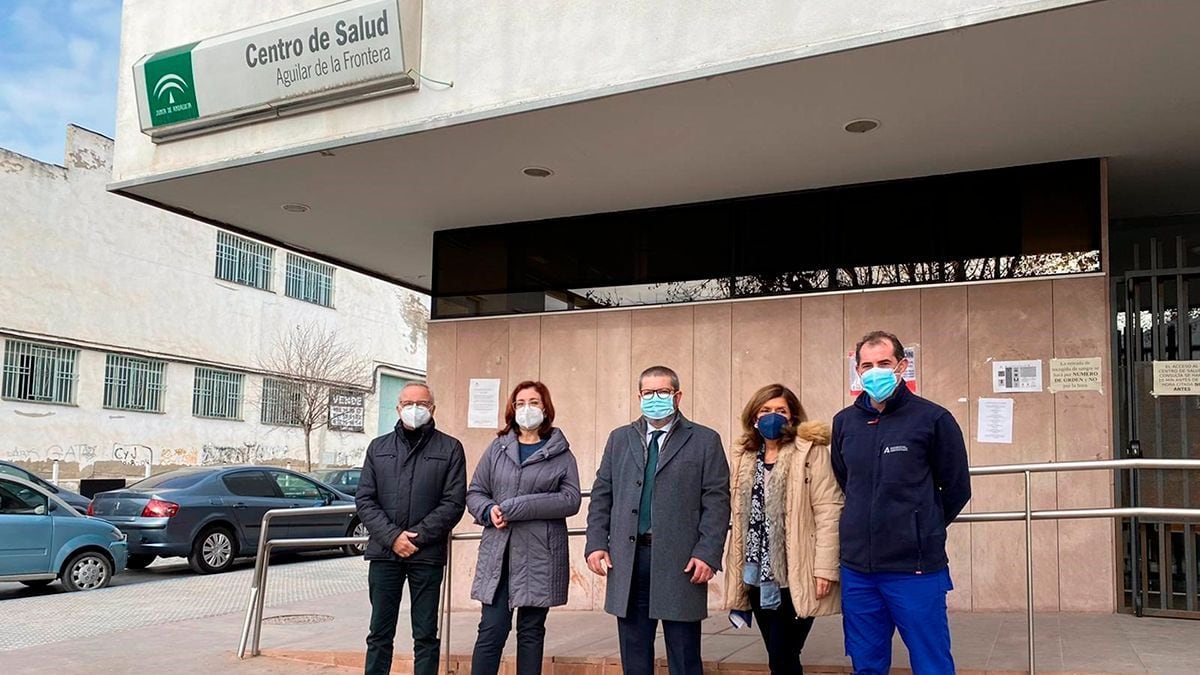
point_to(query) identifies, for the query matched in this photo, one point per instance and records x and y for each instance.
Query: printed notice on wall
(1075, 374)
(1009, 377)
(995, 420)
(1176, 378)
(483, 404)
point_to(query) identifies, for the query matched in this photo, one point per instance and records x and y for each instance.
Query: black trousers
(636, 631)
(386, 583)
(496, 624)
(783, 634)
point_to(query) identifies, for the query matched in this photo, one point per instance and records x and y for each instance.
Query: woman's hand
(823, 587)
(498, 518)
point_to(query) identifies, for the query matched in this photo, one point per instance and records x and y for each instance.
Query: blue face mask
(771, 425)
(879, 383)
(656, 408)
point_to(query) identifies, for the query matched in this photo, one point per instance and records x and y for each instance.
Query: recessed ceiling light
(861, 126)
(537, 172)
(295, 208)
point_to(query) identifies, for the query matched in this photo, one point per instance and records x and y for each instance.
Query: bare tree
(310, 364)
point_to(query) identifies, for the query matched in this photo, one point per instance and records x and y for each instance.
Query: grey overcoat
(689, 517)
(536, 498)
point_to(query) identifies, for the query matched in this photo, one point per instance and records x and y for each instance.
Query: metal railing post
(1029, 570)
(253, 608)
(444, 617)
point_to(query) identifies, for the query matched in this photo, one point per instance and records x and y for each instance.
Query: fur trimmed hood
(817, 432)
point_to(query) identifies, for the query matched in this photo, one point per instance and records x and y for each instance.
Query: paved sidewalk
(983, 642)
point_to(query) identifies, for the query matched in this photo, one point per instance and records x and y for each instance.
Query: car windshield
(172, 480)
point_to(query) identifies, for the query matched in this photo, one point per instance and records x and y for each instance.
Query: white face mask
(529, 417)
(415, 416)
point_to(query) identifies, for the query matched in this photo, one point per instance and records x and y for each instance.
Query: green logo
(171, 87)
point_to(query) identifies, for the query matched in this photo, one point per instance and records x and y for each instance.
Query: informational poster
(1014, 377)
(995, 420)
(1082, 374)
(483, 404)
(346, 410)
(910, 375)
(1176, 378)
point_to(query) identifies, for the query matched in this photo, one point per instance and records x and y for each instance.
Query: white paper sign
(995, 420)
(1075, 374)
(483, 406)
(1016, 376)
(1176, 378)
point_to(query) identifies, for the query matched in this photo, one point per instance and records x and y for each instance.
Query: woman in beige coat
(781, 566)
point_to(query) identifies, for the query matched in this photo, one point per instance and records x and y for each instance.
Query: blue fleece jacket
(905, 475)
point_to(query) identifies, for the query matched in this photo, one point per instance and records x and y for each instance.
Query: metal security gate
(1156, 307)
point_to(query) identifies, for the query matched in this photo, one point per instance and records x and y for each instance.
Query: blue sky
(58, 65)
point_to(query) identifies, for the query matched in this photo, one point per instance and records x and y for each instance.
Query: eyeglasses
(426, 405)
(648, 394)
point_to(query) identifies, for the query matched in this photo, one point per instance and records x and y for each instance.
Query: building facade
(587, 189)
(136, 338)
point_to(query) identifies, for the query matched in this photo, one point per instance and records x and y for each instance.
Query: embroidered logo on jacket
(895, 448)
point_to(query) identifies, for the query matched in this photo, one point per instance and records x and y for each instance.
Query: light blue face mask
(655, 408)
(879, 383)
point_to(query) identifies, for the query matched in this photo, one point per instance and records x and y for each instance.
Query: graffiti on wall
(246, 453)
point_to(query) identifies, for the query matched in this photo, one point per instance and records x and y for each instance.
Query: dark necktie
(648, 483)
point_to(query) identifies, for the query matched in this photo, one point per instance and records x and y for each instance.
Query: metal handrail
(252, 626)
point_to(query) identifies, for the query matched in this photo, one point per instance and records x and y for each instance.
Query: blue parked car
(42, 539)
(77, 501)
(212, 515)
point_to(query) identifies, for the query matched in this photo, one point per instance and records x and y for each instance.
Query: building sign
(1176, 378)
(910, 373)
(351, 49)
(1078, 374)
(1016, 376)
(346, 410)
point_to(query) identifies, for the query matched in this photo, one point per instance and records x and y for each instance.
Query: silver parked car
(212, 515)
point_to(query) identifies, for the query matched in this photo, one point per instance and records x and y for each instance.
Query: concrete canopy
(1114, 79)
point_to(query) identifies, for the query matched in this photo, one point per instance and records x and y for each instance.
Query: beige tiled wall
(723, 352)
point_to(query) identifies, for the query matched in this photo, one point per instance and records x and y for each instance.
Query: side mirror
(328, 498)
(39, 510)
(53, 506)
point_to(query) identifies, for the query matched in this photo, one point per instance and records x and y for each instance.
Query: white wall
(83, 267)
(508, 53)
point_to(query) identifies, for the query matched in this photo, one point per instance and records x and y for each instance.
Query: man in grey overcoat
(656, 526)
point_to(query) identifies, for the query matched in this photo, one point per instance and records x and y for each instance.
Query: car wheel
(139, 561)
(357, 529)
(38, 583)
(87, 571)
(212, 552)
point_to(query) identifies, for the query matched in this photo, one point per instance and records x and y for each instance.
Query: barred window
(37, 372)
(132, 383)
(282, 402)
(218, 394)
(309, 280)
(243, 261)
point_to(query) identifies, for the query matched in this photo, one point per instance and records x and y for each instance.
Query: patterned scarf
(758, 571)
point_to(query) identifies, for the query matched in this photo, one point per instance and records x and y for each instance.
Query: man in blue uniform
(902, 463)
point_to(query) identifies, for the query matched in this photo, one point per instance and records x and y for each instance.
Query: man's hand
(403, 545)
(498, 518)
(599, 563)
(700, 571)
(823, 587)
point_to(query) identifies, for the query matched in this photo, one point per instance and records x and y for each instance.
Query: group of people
(819, 519)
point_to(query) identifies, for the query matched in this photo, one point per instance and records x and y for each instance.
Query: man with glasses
(412, 492)
(656, 526)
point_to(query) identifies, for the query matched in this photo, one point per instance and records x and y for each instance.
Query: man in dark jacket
(411, 494)
(902, 463)
(656, 526)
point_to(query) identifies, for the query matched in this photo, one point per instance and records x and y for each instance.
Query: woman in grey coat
(524, 489)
